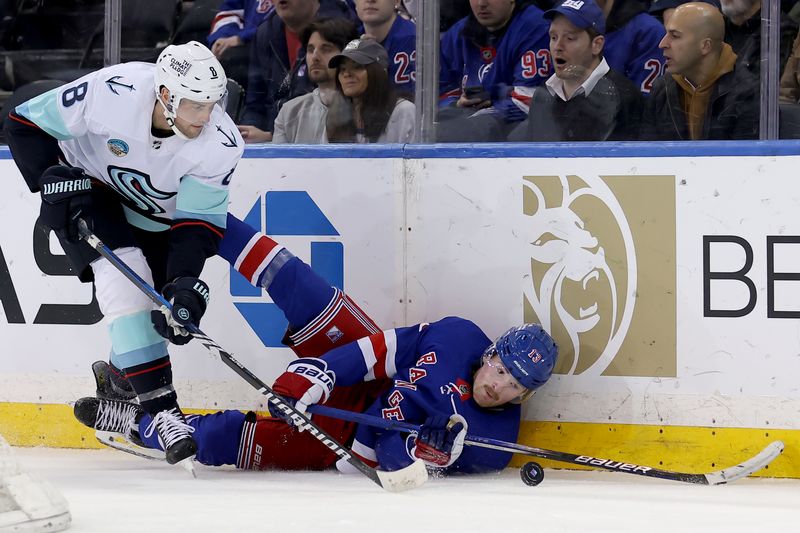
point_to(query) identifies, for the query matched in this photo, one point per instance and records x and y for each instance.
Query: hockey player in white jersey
(144, 153)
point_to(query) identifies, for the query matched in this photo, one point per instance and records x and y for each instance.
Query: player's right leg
(321, 317)
(136, 348)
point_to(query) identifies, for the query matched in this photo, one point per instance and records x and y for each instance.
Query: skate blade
(119, 442)
(188, 465)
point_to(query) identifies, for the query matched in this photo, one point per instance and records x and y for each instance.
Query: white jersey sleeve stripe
(391, 352)
(369, 357)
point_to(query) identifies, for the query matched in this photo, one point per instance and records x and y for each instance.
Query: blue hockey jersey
(632, 49)
(401, 46)
(432, 368)
(511, 62)
(239, 17)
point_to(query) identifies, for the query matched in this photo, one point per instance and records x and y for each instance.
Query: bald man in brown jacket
(704, 95)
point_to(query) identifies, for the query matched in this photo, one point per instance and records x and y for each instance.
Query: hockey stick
(399, 480)
(726, 475)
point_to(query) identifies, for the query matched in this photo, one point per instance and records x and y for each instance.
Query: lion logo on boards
(118, 147)
(602, 271)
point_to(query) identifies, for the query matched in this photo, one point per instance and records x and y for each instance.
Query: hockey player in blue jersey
(144, 153)
(397, 35)
(446, 375)
(494, 56)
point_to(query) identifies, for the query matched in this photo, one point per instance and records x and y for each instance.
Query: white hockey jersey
(103, 123)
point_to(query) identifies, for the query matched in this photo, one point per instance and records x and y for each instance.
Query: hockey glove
(189, 298)
(66, 196)
(441, 440)
(306, 381)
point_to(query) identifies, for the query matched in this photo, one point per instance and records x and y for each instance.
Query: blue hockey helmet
(528, 352)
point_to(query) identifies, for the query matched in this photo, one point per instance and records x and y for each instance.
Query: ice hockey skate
(116, 424)
(110, 384)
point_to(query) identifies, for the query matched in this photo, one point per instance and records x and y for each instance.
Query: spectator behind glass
(663, 9)
(302, 119)
(366, 108)
(450, 11)
(632, 37)
(743, 32)
(584, 100)
(277, 69)
(232, 33)
(706, 95)
(397, 35)
(492, 58)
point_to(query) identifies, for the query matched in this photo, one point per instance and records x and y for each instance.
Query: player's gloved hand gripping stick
(399, 480)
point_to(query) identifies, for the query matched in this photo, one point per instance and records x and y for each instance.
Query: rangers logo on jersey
(460, 387)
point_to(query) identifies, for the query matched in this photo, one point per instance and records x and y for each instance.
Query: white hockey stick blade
(119, 442)
(407, 478)
(36, 506)
(754, 464)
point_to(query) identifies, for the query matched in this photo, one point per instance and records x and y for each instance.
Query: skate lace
(119, 417)
(171, 427)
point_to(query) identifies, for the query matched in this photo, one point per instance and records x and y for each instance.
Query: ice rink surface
(110, 491)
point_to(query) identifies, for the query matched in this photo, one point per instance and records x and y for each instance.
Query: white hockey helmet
(189, 71)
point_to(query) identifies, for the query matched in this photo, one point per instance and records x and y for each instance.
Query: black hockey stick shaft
(713, 478)
(298, 419)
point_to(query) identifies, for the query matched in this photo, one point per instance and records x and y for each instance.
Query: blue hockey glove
(66, 196)
(189, 298)
(441, 440)
(307, 381)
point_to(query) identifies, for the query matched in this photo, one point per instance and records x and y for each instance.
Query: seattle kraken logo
(137, 188)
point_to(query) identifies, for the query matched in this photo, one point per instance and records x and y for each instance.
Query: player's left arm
(198, 224)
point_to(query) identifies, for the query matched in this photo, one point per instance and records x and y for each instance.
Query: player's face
(192, 116)
(572, 50)
(492, 14)
(318, 54)
(681, 46)
(353, 78)
(494, 385)
(375, 11)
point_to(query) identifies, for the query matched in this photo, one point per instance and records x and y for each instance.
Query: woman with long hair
(366, 108)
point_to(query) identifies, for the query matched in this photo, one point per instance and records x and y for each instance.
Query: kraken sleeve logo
(137, 188)
(577, 290)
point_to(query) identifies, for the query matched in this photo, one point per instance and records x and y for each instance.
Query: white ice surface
(110, 491)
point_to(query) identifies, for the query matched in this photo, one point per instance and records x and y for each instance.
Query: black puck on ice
(531, 473)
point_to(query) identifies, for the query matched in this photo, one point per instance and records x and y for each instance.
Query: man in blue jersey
(632, 37)
(446, 375)
(491, 60)
(397, 35)
(232, 31)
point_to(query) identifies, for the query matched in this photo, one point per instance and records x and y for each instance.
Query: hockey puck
(531, 473)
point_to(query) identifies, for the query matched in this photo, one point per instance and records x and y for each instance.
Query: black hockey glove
(189, 298)
(66, 196)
